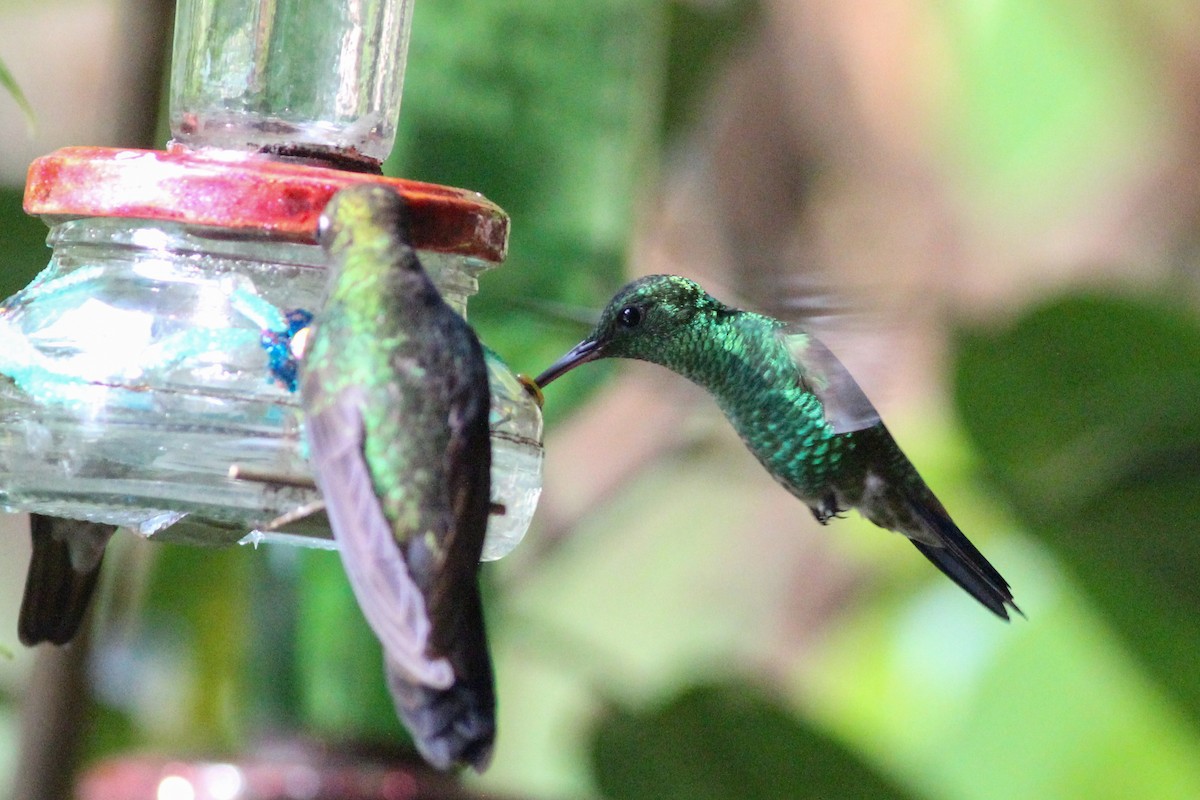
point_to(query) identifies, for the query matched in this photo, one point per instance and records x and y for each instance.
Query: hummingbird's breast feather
(770, 402)
(786, 431)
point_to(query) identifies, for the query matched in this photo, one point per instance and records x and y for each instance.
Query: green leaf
(199, 595)
(1085, 413)
(10, 83)
(342, 687)
(24, 253)
(721, 741)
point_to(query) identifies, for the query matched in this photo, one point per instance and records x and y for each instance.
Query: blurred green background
(990, 210)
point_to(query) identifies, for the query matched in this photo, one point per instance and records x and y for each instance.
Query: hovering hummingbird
(796, 408)
(63, 570)
(396, 402)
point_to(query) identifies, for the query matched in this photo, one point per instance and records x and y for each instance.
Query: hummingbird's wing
(63, 570)
(457, 725)
(468, 479)
(846, 407)
(386, 592)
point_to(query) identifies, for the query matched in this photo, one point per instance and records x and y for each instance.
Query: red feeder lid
(247, 193)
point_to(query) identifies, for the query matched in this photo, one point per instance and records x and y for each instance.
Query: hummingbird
(796, 408)
(63, 569)
(395, 396)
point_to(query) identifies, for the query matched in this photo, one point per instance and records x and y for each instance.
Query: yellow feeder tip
(532, 388)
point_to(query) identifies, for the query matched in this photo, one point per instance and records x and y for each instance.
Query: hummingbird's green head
(364, 230)
(359, 213)
(651, 319)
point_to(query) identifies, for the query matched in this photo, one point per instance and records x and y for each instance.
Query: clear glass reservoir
(147, 375)
(144, 382)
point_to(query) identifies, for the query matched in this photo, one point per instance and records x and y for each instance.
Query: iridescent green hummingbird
(796, 408)
(63, 569)
(396, 402)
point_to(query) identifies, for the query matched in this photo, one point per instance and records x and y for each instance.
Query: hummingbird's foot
(827, 509)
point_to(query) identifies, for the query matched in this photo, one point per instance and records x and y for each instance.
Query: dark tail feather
(961, 562)
(451, 727)
(59, 588)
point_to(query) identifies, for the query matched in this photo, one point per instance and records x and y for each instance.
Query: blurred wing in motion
(846, 407)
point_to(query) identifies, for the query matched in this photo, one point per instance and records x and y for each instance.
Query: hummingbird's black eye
(630, 316)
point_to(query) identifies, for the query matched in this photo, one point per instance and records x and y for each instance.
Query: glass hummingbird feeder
(147, 375)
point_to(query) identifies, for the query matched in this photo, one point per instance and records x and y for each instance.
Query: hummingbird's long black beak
(585, 351)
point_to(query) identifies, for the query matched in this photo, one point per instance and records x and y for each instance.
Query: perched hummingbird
(797, 409)
(63, 569)
(396, 403)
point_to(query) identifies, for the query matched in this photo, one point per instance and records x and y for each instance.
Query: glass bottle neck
(253, 75)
